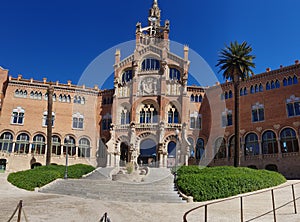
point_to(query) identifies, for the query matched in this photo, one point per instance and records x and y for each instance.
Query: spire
(154, 14)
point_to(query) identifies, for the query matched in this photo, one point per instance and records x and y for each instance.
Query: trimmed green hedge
(40, 176)
(219, 182)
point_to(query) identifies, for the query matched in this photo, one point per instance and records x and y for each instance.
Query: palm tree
(236, 63)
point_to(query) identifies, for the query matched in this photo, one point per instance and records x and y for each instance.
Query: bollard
(242, 213)
(205, 213)
(294, 199)
(273, 203)
(20, 211)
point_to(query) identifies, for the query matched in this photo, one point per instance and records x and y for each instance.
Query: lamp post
(176, 161)
(67, 147)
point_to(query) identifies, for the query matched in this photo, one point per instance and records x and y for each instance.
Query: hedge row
(40, 176)
(219, 182)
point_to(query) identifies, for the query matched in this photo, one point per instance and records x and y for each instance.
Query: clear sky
(58, 39)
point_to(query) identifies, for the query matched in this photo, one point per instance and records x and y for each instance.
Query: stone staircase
(158, 187)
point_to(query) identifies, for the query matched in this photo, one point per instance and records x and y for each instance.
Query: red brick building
(152, 116)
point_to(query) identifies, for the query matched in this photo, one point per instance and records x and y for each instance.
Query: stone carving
(296, 124)
(276, 126)
(242, 131)
(259, 129)
(149, 86)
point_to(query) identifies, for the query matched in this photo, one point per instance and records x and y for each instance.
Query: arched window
(272, 85)
(269, 143)
(18, 116)
(277, 84)
(251, 145)
(173, 115)
(288, 141)
(38, 145)
(199, 148)
(150, 64)
(125, 116)
(56, 145)
(268, 86)
(295, 80)
(191, 146)
(252, 90)
(245, 91)
(82, 100)
(261, 88)
(241, 92)
(127, 76)
(174, 74)
(200, 98)
(290, 81)
(196, 98)
(171, 149)
(69, 146)
(192, 98)
(148, 114)
(230, 94)
(79, 99)
(256, 88)
(220, 148)
(226, 95)
(6, 142)
(84, 148)
(22, 143)
(17, 93)
(285, 83)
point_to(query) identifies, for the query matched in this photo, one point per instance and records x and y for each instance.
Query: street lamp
(67, 147)
(177, 141)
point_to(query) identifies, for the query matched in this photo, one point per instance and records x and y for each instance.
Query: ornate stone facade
(151, 116)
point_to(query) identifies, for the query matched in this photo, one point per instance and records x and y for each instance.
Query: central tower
(150, 93)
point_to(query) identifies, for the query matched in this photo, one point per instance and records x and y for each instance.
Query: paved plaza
(41, 207)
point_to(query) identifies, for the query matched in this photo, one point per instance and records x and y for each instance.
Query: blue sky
(58, 39)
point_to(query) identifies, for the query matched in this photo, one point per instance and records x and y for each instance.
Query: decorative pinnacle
(155, 2)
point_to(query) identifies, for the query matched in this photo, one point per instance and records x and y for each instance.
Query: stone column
(117, 160)
(279, 145)
(108, 160)
(186, 162)
(161, 161)
(260, 149)
(165, 157)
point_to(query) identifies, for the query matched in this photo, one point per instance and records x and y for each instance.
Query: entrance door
(148, 153)
(124, 158)
(2, 164)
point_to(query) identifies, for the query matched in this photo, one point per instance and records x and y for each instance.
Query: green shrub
(40, 176)
(219, 182)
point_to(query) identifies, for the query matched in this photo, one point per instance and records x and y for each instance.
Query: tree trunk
(236, 84)
(49, 125)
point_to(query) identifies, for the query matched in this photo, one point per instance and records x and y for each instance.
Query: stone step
(158, 187)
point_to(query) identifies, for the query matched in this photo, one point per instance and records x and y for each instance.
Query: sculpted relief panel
(149, 86)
